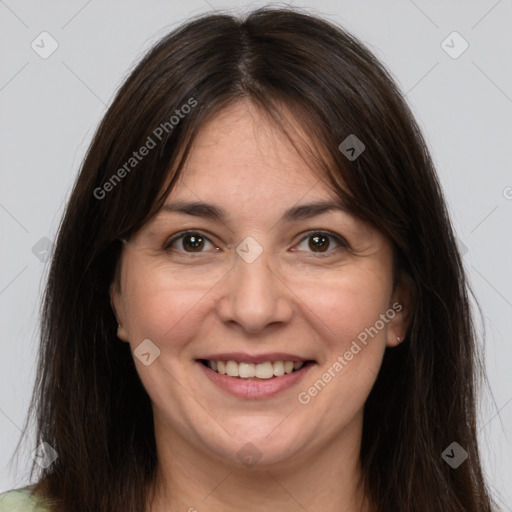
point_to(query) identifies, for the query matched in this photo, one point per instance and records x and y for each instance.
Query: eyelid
(338, 238)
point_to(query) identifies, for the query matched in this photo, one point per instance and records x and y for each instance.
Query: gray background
(50, 108)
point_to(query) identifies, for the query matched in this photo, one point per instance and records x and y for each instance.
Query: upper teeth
(265, 370)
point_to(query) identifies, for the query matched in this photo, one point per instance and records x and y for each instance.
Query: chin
(262, 446)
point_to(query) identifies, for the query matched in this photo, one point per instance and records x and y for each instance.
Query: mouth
(254, 376)
(266, 370)
(254, 380)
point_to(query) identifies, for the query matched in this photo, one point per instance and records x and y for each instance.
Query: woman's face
(268, 286)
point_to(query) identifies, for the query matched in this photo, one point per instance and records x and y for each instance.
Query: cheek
(347, 310)
(160, 307)
(344, 303)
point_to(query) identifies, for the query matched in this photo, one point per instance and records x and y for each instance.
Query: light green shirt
(19, 500)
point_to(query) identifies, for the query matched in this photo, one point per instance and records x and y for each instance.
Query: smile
(243, 370)
(261, 379)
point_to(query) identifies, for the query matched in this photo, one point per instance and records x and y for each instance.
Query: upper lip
(243, 357)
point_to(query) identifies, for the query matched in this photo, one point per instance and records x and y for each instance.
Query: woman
(256, 300)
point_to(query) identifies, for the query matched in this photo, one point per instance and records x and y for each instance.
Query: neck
(324, 478)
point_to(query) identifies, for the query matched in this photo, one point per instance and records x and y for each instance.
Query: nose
(254, 296)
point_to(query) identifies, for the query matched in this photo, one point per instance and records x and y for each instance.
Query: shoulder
(20, 500)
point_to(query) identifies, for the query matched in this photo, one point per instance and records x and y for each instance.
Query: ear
(399, 311)
(117, 307)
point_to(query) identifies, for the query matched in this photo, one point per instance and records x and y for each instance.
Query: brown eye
(320, 242)
(195, 242)
(191, 242)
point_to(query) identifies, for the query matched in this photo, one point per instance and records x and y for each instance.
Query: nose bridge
(255, 295)
(255, 273)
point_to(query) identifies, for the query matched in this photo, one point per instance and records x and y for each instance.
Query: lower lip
(254, 389)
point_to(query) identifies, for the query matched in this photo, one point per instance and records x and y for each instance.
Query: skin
(290, 299)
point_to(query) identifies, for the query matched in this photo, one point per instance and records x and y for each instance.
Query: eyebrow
(216, 213)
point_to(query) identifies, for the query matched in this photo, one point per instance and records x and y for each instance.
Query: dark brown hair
(89, 403)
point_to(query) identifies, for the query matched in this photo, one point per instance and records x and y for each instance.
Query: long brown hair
(88, 401)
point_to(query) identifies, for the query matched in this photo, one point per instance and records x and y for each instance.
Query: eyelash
(339, 240)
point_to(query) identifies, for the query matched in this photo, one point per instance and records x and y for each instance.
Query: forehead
(244, 173)
(243, 170)
(241, 150)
